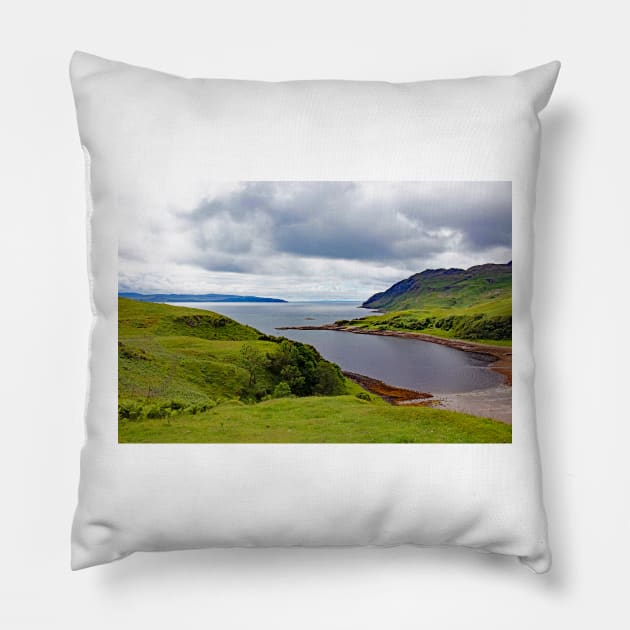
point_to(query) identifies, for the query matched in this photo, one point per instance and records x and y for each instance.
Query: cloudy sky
(313, 240)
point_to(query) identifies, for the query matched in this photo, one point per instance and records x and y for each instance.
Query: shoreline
(494, 402)
(501, 356)
(390, 393)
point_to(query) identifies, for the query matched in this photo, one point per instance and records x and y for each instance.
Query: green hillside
(187, 357)
(474, 304)
(447, 289)
(191, 375)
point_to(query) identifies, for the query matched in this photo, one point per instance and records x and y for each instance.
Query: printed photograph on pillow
(317, 312)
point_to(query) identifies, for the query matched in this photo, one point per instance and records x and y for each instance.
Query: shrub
(193, 410)
(129, 411)
(292, 376)
(477, 326)
(126, 352)
(480, 327)
(282, 390)
(153, 412)
(329, 380)
(265, 337)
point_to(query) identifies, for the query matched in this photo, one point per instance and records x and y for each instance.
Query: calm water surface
(423, 366)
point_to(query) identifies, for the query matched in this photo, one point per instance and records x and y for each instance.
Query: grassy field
(335, 419)
(190, 375)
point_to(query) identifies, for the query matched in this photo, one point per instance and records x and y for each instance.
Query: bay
(413, 364)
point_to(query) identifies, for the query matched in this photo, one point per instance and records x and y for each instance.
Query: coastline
(494, 402)
(501, 356)
(390, 393)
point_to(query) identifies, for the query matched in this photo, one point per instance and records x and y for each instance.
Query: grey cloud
(341, 220)
(317, 239)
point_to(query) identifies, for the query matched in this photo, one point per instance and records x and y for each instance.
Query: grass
(339, 419)
(184, 354)
(181, 378)
(142, 319)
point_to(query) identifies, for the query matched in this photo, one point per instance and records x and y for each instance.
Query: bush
(129, 411)
(304, 371)
(364, 396)
(126, 352)
(154, 412)
(193, 410)
(210, 321)
(264, 337)
(478, 326)
(329, 380)
(282, 390)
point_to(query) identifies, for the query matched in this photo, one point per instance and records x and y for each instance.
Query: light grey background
(580, 291)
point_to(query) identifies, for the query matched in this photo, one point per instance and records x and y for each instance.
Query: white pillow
(161, 151)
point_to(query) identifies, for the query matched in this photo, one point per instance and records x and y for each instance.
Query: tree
(304, 370)
(329, 380)
(256, 364)
(292, 376)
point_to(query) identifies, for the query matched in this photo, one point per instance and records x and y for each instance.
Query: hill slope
(472, 304)
(447, 289)
(175, 356)
(191, 375)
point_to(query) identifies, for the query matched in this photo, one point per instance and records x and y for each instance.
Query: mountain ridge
(446, 288)
(469, 304)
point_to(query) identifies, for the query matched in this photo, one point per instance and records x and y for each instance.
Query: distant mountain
(483, 288)
(194, 297)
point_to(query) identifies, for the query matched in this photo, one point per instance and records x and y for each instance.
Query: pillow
(304, 316)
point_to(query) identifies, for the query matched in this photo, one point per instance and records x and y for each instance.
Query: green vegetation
(190, 375)
(495, 330)
(318, 420)
(474, 304)
(175, 358)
